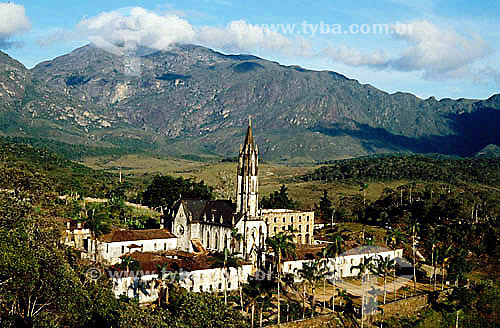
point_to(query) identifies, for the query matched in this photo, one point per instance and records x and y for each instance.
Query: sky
(444, 49)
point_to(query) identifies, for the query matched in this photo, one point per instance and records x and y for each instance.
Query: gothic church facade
(218, 224)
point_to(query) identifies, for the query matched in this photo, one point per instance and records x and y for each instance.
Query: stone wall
(324, 321)
(407, 306)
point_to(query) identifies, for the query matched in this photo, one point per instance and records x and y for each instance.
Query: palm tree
(265, 302)
(395, 238)
(414, 228)
(444, 254)
(363, 188)
(383, 266)
(364, 266)
(162, 274)
(253, 291)
(236, 239)
(98, 224)
(335, 249)
(283, 246)
(311, 272)
(228, 260)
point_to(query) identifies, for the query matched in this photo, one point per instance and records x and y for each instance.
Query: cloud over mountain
(14, 21)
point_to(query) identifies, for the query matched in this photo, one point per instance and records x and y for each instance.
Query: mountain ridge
(191, 99)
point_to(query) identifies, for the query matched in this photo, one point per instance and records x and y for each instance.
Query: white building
(211, 222)
(110, 247)
(76, 234)
(344, 265)
(195, 274)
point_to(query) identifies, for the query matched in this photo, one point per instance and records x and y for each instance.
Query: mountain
(193, 100)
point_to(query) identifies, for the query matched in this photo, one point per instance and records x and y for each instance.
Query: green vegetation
(410, 167)
(278, 199)
(23, 166)
(165, 190)
(66, 150)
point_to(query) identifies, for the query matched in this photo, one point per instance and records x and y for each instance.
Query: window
(275, 220)
(307, 228)
(308, 218)
(228, 285)
(300, 227)
(284, 219)
(155, 246)
(220, 286)
(123, 249)
(300, 218)
(107, 248)
(275, 229)
(291, 219)
(165, 246)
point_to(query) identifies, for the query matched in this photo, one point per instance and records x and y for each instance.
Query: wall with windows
(301, 223)
(111, 252)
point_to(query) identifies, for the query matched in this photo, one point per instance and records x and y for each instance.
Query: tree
(312, 272)
(36, 281)
(395, 238)
(334, 249)
(364, 266)
(165, 190)
(443, 255)
(325, 207)
(278, 200)
(414, 228)
(236, 238)
(283, 246)
(383, 266)
(363, 187)
(459, 266)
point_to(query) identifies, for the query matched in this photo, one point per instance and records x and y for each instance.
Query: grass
(222, 176)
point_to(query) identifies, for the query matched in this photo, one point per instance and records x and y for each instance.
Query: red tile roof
(133, 235)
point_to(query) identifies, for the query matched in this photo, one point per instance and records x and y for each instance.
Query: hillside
(485, 171)
(193, 100)
(34, 169)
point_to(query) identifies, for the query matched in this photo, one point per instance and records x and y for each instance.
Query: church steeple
(248, 183)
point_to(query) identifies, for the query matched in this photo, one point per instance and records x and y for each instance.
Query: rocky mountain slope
(191, 99)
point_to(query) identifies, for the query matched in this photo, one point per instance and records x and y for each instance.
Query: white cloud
(439, 52)
(116, 30)
(14, 21)
(352, 57)
(240, 36)
(136, 27)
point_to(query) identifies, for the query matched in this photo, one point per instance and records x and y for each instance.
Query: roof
(365, 250)
(282, 210)
(249, 137)
(175, 260)
(133, 235)
(210, 211)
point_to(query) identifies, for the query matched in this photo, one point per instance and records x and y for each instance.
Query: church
(241, 227)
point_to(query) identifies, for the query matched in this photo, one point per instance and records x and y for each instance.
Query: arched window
(307, 238)
(216, 243)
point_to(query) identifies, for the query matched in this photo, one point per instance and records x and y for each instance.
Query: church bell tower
(247, 193)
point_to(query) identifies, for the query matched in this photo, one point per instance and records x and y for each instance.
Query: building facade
(299, 223)
(214, 224)
(109, 248)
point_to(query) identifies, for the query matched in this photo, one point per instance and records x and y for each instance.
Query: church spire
(247, 187)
